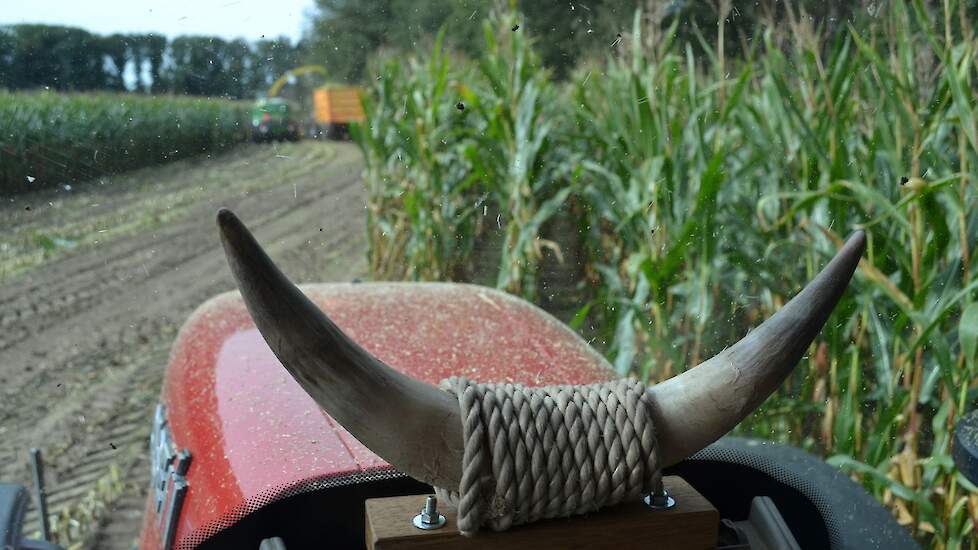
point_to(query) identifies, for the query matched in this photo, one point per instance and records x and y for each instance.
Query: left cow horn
(381, 407)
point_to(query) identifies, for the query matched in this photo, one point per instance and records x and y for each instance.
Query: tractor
(288, 413)
(273, 119)
(334, 106)
(329, 416)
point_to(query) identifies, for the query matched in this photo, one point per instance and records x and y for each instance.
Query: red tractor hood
(254, 434)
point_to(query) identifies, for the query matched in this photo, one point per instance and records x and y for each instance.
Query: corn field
(55, 139)
(688, 195)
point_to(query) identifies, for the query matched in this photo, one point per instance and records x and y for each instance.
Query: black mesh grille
(263, 499)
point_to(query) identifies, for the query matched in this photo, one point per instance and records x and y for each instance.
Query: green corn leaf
(968, 333)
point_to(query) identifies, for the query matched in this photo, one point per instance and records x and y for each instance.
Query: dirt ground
(95, 280)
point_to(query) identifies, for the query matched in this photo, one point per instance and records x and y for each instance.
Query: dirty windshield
(557, 260)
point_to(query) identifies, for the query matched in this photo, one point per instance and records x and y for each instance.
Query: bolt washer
(659, 500)
(429, 518)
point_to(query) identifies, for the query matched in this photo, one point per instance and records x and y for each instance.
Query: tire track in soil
(15, 297)
(84, 339)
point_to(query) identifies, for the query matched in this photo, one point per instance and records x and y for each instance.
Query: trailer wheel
(337, 131)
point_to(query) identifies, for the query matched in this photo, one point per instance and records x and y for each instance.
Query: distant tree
(139, 56)
(237, 58)
(116, 48)
(8, 44)
(154, 47)
(271, 59)
(79, 61)
(345, 33)
(61, 58)
(741, 22)
(416, 24)
(196, 65)
(65, 58)
(30, 60)
(566, 31)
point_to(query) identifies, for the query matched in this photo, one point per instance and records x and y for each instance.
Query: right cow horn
(704, 403)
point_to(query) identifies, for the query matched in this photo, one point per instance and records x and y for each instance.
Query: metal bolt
(429, 518)
(659, 499)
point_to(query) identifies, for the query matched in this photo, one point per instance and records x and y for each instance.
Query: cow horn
(702, 404)
(384, 409)
(381, 407)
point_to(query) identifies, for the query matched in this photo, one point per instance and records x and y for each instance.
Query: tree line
(72, 59)
(346, 33)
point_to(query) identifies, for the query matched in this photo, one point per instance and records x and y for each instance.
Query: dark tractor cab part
(769, 495)
(966, 446)
(13, 508)
(821, 506)
(764, 529)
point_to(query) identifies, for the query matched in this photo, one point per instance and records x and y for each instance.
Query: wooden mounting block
(691, 524)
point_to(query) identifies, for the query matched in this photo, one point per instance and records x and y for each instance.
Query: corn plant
(518, 153)
(416, 150)
(655, 159)
(442, 145)
(706, 191)
(896, 157)
(52, 139)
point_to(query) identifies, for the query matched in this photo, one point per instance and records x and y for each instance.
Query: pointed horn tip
(854, 246)
(226, 219)
(234, 233)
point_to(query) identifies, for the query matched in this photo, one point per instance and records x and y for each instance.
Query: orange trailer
(335, 107)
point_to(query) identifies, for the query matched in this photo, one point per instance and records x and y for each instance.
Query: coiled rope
(553, 451)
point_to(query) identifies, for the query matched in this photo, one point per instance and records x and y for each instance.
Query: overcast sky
(226, 18)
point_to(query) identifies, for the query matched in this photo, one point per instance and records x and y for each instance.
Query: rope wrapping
(553, 451)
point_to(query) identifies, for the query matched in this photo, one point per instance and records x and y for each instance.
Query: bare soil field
(95, 280)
